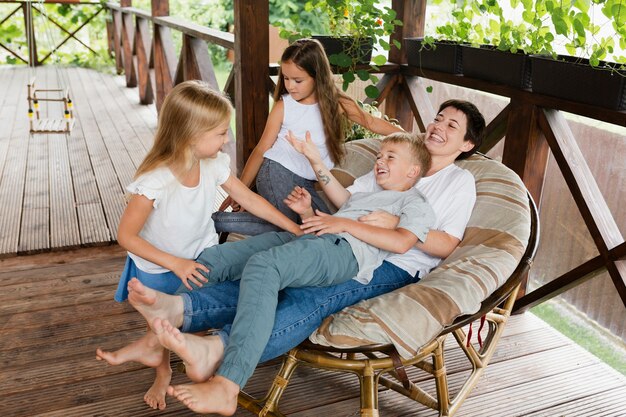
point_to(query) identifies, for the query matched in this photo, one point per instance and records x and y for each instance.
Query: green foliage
(360, 20)
(541, 26)
(48, 35)
(355, 131)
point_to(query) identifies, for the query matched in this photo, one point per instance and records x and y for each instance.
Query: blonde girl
(167, 222)
(306, 100)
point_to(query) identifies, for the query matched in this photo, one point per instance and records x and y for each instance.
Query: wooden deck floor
(59, 191)
(56, 308)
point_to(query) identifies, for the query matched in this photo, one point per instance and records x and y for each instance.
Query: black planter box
(574, 79)
(334, 45)
(489, 64)
(442, 56)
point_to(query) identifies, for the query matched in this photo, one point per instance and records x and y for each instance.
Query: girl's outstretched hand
(188, 270)
(306, 147)
(229, 202)
(381, 218)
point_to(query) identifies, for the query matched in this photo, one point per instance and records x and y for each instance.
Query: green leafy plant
(591, 29)
(362, 21)
(356, 131)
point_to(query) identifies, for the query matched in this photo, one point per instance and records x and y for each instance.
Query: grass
(584, 333)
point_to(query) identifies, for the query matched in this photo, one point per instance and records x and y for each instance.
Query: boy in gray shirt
(340, 249)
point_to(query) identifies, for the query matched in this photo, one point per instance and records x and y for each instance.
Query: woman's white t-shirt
(451, 193)
(180, 222)
(299, 118)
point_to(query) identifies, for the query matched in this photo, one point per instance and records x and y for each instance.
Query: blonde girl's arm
(132, 221)
(376, 124)
(258, 206)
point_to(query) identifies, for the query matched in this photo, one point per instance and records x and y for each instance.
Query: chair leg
(441, 380)
(369, 393)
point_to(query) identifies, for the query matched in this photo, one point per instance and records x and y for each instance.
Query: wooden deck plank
(90, 212)
(14, 143)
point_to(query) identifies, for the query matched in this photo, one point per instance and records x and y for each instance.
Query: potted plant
(354, 29)
(529, 34)
(356, 131)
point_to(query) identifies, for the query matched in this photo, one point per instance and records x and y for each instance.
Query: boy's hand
(323, 223)
(188, 270)
(299, 200)
(381, 218)
(306, 147)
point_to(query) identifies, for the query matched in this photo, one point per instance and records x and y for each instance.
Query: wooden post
(31, 41)
(163, 53)
(412, 13)
(526, 152)
(251, 74)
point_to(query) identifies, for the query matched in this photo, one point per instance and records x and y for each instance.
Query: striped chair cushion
(494, 242)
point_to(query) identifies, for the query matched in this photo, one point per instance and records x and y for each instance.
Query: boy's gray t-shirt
(411, 206)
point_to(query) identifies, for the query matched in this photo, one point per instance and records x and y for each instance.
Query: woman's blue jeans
(274, 182)
(299, 312)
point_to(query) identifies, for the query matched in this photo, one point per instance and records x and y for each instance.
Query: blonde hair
(189, 110)
(309, 55)
(419, 153)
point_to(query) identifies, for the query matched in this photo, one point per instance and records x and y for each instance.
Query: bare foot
(147, 351)
(202, 355)
(152, 304)
(218, 395)
(155, 396)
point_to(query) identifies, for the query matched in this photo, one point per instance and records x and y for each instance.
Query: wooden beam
(412, 13)
(143, 46)
(495, 130)
(251, 74)
(117, 40)
(418, 101)
(31, 41)
(586, 193)
(128, 43)
(557, 286)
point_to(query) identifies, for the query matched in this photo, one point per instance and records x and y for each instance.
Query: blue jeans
(274, 182)
(299, 311)
(272, 262)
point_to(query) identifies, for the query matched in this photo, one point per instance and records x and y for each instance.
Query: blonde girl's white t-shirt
(451, 193)
(180, 222)
(299, 118)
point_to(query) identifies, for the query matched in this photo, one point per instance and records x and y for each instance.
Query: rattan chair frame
(380, 364)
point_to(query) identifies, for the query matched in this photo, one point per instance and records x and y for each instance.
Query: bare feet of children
(147, 351)
(152, 304)
(155, 396)
(202, 355)
(218, 395)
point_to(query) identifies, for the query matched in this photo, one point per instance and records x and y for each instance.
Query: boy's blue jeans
(274, 182)
(271, 262)
(298, 313)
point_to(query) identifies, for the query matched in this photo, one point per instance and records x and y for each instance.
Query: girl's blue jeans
(274, 182)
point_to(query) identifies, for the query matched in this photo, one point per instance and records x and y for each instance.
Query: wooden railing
(533, 124)
(37, 21)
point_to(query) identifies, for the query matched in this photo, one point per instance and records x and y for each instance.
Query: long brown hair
(189, 110)
(309, 55)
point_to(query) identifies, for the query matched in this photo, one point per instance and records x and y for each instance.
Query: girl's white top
(299, 118)
(451, 192)
(180, 222)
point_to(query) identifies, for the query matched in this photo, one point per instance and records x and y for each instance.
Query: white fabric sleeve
(455, 215)
(150, 185)
(364, 184)
(220, 166)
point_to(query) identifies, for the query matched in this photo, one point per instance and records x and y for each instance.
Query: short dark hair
(475, 123)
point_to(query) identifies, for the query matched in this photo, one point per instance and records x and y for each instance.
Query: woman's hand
(323, 223)
(381, 218)
(188, 270)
